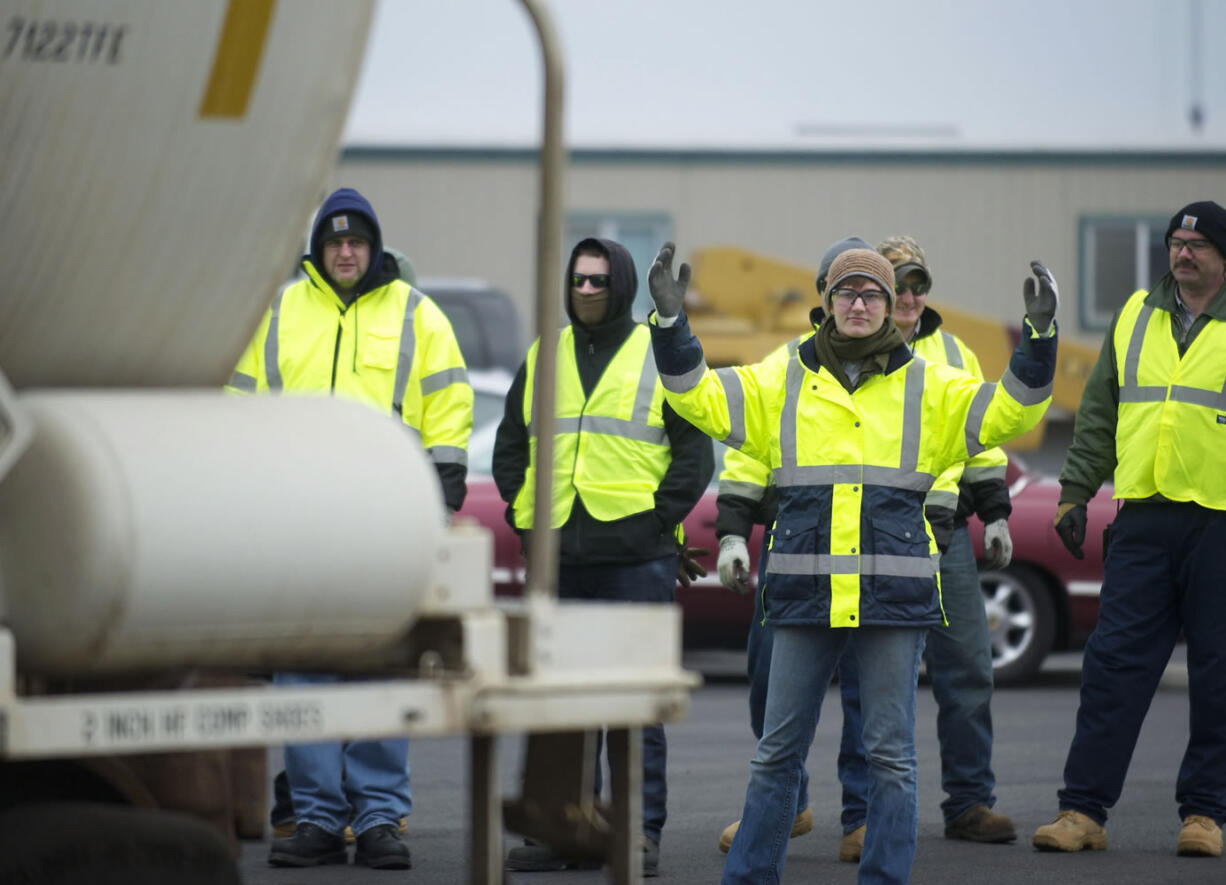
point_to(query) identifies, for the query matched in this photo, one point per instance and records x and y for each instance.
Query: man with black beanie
(1153, 417)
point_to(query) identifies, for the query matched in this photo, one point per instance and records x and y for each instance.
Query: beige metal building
(1096, 218)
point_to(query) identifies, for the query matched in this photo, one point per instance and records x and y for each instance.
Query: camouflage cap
(906, 255)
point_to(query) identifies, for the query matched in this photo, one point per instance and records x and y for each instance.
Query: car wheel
(1021, 622)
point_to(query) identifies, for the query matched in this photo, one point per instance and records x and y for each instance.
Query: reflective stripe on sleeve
(242, 381)
(272, 347)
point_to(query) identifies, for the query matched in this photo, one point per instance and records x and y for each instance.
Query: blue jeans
(758, 666)
(652, 581)
(802, 663)
(1163, 572)
(959, 663)
(327, 780)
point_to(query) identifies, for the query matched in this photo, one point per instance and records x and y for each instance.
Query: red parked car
(1044, 600)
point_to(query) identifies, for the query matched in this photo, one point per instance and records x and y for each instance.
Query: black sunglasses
(917, 289)
(598, 280)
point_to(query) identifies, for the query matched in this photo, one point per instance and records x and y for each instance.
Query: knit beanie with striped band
(862, 263)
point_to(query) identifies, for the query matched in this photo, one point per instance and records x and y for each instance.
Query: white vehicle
(157, 536)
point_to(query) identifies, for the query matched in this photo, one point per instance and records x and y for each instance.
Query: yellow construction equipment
(742, 305)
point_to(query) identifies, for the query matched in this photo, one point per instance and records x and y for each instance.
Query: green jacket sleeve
(1091, 457)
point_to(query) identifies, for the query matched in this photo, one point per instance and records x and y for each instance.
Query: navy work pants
(1165, 571)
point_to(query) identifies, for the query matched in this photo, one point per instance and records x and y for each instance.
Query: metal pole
(543, 548)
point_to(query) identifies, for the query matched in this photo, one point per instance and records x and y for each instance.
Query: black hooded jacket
(585, 540)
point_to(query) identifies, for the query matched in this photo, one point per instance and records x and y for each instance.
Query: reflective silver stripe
(443, 379)
(242, 381)
(1132, 358)
(871, 564)
(1143, 394)
(622, 428)
(448, 455)
(1198, 396)
(912, 415)
(941, 498)
(408, 343)
(794, 345)
(1027, 396)
(974, 418)
(684, 383)
(647, 388)
(272, 347)
(750, 490)
(953, 356)
(793, 382)
(982, 474)
(734, 394)
(825, 475)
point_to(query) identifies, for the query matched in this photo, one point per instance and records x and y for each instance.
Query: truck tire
(1021, 622)
(82, 843)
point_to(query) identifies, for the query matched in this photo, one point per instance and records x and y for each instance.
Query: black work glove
(688, 567)
(1071, 527)
(667, 293)
(1041, 305)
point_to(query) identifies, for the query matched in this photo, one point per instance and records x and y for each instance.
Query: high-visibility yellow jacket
(745, 478)
(610, 448)
(851, 546)
(391, 348)
(1172, 408)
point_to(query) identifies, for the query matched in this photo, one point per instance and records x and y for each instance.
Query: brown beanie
(862, 263)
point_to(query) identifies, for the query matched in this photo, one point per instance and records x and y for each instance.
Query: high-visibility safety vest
(611, 448)
(851, 546)
(391, 348)
(1172, 413)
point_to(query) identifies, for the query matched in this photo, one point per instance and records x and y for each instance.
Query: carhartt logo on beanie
(1206, 217)
(347, 224)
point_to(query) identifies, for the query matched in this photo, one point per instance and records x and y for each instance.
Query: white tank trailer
(163, 544)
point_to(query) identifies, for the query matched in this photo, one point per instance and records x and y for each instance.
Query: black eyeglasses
(847, 297)
(917, 289)
(1176, 245)
(598, 280)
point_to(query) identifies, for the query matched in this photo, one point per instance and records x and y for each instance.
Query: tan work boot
(1070, 831)
(981, 824)
(852, 845)
(1199, 837)
(800, 826)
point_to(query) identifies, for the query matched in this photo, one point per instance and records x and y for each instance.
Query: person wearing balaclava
(626, 471)
(328, 333)
(855, 429)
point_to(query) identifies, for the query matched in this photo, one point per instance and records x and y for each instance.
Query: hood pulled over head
(623, 278)
(364, 223)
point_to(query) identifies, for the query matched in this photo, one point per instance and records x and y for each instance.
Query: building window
(642, 233)
(1118, 256)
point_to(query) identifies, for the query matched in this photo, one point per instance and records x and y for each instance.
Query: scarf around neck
(872, 353)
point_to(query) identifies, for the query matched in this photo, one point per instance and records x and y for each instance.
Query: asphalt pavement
(708, 769)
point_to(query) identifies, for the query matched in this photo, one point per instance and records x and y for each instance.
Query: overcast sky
(800, 73)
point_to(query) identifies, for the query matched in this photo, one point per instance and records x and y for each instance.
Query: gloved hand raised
(997, 544)
(1070, 525)
(733, 563)
(1040, 305)
(666, 292)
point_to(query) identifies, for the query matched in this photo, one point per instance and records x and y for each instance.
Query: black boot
(380, 848)
(310, 846)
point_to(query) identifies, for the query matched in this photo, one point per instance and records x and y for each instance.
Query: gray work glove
(733, 563)
(1041, 305)
(667, 293)
(997, 544)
